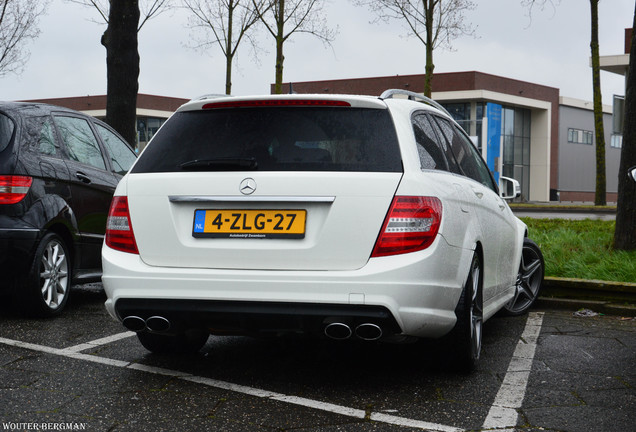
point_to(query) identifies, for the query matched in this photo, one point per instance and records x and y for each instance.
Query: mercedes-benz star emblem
(247, 186)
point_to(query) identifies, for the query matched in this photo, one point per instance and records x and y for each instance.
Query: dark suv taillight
(411, 225)
(119, 231)
(14, 188)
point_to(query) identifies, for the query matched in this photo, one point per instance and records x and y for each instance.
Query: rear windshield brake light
(14, 188)
(276, 103)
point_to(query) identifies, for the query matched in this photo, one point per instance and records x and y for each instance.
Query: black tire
(185, 342)
(466, 336)
(47, 287)
(529, 280)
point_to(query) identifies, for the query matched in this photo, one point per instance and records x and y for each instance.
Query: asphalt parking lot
(549, 370)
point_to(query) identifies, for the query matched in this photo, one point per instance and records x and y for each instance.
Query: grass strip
(581, 249)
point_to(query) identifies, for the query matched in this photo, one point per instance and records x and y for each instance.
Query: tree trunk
(122, 63)
(280, 40)
(601, 189)
(229, 50)
(429, 5)
(625, 232)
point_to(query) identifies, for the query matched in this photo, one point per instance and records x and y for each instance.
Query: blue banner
(493, 144)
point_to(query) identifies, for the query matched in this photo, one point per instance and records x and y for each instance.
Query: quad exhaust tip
(342, 331)
(134, 323)
(338, 331)
(368, 331)
(154, 323)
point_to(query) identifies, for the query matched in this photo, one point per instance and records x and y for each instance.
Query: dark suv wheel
(47, 286)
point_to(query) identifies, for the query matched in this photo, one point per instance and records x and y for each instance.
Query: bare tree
(122, 68)
(124, 20)
(225, 23)
(436, 23)
(148, 9)
(600, 196)
(283, 18)
(18, 25)
(625, 231)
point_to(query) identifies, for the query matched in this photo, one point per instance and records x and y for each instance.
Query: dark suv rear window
(275, 139)
(6, 131)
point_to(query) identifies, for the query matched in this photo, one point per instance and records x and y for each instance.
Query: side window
(46, 143)
(429, 146)
(81, 144)
(6, 131)
(121, 156)
(467, 156)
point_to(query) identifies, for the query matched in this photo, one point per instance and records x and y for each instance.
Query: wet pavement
(549, 370)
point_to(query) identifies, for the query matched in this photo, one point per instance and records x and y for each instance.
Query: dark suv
(58, 171)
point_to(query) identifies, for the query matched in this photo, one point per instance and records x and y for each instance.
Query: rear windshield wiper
(221, 164)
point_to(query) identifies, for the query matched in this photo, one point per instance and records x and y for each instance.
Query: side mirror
(509, 188)
(631, 173)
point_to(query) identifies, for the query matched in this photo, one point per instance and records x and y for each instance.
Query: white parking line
(98, 342)
(74, 353)
(503, 413)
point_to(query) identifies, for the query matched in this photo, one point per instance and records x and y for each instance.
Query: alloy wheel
(529, 279)
(54, 271)
(476, 312)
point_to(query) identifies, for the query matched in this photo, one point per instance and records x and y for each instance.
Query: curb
(563, 208)
(610, 298)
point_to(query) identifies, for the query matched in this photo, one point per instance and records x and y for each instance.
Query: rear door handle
(83, 177)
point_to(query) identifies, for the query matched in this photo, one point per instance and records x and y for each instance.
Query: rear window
(6, 131)
(274, 139)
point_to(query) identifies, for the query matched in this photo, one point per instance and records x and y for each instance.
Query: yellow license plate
(226, 223)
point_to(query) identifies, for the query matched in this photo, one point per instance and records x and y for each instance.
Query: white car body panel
(332, 264)
(334, 203)
(422, 306)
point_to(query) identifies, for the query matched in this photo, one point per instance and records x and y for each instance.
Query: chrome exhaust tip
(338, 331)
(369, 332)
(134, 323)
(157, 324)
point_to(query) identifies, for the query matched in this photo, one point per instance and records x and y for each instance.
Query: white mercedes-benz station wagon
(339, 216)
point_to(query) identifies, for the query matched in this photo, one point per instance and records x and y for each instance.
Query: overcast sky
(552, 49)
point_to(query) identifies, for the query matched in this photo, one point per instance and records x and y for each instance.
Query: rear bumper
(411, 295)
(253, 318)
(16, 252)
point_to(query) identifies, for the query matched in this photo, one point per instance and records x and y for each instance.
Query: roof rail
(388, 94)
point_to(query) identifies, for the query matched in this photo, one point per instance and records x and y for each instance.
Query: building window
(616, 141)
(578, 136)
(460, 112)
(146, 129)
(515, 130)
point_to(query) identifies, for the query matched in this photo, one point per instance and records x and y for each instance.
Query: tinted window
(47, 138)
(466, 155)
(436, 143)
(121, 156)
(6, 131)
(275, 139)
(81, 144)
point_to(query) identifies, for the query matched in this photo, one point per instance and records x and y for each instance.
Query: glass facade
(146, 129)
(515, 133)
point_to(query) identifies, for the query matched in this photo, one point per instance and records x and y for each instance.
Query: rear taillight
(14, 188)
(119, 231)
(411, 225)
